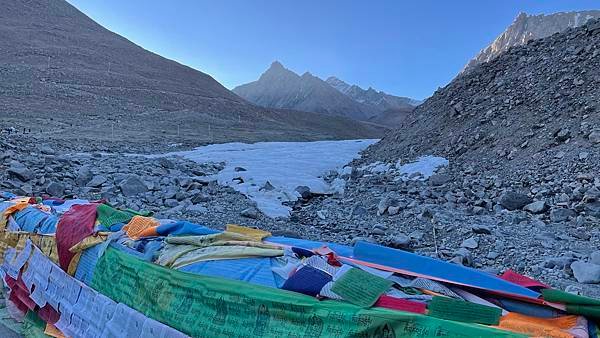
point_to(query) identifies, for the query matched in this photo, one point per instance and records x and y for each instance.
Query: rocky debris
(132, 186)
(439, 179)
(55, 189)
(587, 273)
(96, 181)
(251, 212)
(19, 171)
(558, 215)
(470, 243)
(536, 207)
(512, 200)
(304, 192)
(594, 137)
(400, 241)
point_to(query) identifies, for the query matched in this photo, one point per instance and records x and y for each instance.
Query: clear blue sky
(407, 48)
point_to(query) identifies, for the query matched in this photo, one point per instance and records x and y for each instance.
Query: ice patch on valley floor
(285, 165)
(421, 169)
(425, 165)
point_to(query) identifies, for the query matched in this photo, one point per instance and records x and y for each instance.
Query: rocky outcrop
(529, 27)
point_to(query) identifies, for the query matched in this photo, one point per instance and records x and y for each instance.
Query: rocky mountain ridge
(529, 27)
(279, 87)
(372, 97)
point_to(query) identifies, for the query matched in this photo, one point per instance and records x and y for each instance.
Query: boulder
(55, 189)
(587, 273)
(536, 207)
(304, 191)
(132, 186)
(470, 243)
(84, 176)
(513, 200)
(558, 215)
(19, 171)
(594, 137)
(96, 181)
(166, 163)
(251, 212)
(439, 179)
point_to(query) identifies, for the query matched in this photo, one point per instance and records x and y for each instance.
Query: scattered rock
(587, 273)
(537, 207)
(96, 181)
(513, 200)
(470, 243)
(481, 229)
(558, 215)
(439, 179)
(55, 189)
(304, 192)
(251, 212)
(19, 171)
(132, 186)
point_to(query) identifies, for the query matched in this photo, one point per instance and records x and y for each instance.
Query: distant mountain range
(529, 27)
(280, 87)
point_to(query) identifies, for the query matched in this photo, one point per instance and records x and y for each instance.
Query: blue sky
(407, 48)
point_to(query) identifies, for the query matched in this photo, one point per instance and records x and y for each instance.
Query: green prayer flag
(558, 296)
(204, 306)
(461, 311)
(33, 326)
(360, 287)
(584, 310)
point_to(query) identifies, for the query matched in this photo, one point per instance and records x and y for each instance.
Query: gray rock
(586, 273)
(439, 179)
(166, 163)
(470, 243)
(594, 137)
(19, 171)
(536, 207)
(557, 262)
(132, 186)
(393, 210)
(593, 209)
(384, 203)
(513, 200)
(362, 239)
(286, 233)
(55, 189)
(96, 181)
(171, 203)
(267, 186)
(84, 175)
(238, 169)
(358, 211)
(558, 215)
(304, 191)
(481, 229)
(197, 208)
(200, 198)
(400, 241)
(595, 257)
(46, 150)
(251, 212)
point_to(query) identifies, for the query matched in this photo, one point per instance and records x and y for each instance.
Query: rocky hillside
(65, 76)
(279, 87)
(527, 121)
(530, 27)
